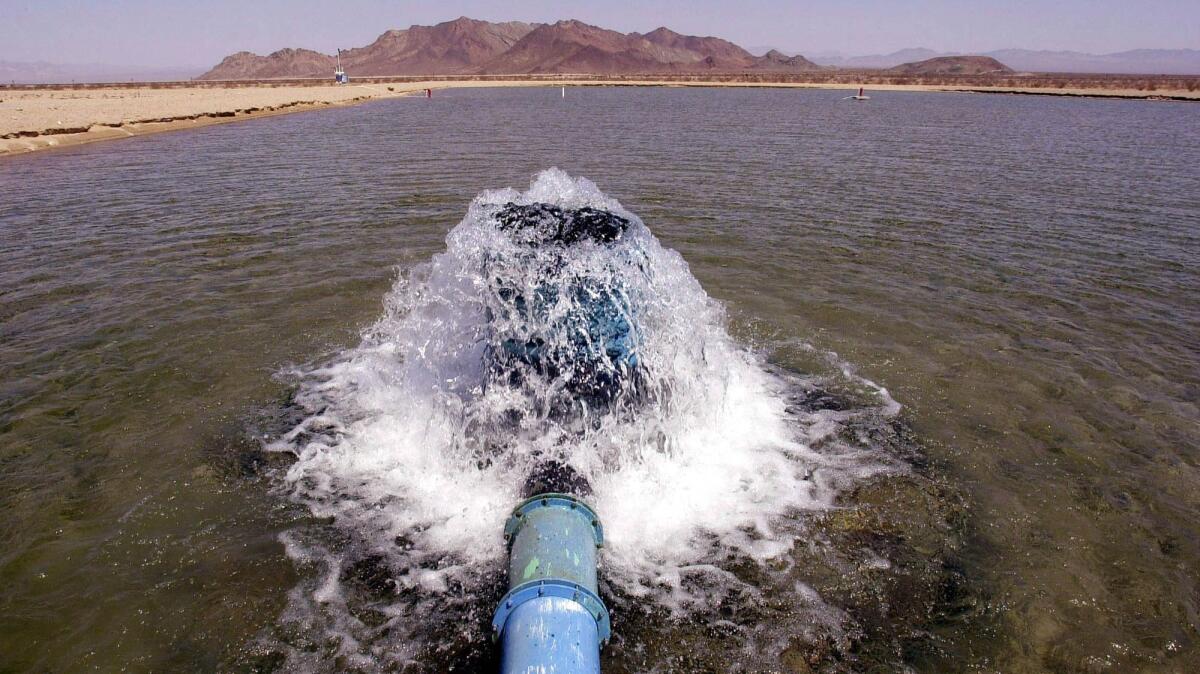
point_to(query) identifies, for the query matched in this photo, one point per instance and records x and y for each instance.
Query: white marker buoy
(564, 92)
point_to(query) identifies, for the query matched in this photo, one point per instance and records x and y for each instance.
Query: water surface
(1018, 272)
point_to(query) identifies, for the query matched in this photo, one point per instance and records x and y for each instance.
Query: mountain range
(40, 72)
(468, 46)
(1133, 62)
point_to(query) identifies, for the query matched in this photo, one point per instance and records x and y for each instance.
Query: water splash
(417, 448)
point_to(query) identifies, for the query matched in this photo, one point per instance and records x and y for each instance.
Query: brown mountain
(776, 60)
(713, 52)
(576, 47)
(453, 47)
(952, 65)
(283, 63)
(467, 46)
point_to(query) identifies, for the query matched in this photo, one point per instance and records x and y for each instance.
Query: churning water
(417, 450)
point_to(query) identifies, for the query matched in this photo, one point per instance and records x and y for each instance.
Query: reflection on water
(1018, 272)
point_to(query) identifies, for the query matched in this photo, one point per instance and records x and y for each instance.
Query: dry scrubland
(40, 117)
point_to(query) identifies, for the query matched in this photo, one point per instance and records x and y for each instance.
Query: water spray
(558, 362)
(552, 618)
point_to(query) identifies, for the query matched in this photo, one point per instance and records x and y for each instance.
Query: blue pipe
(552, 621)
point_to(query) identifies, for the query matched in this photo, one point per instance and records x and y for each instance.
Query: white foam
(403, 442)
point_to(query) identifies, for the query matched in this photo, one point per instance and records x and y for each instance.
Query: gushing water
(519, 348)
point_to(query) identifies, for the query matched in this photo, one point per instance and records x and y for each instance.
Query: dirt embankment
(34, 118)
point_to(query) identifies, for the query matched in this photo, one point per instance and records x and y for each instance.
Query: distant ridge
(469, 46)
(777, 60)
(874, 61)
(952, 65)
(1133, 62)
(283, 63)
(40, 72)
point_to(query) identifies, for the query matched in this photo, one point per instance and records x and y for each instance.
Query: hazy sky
(200, 32)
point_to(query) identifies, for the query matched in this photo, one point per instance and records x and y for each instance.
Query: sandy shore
(37, 119)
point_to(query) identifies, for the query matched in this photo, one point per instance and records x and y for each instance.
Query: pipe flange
(513, 525)
(553, 587)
